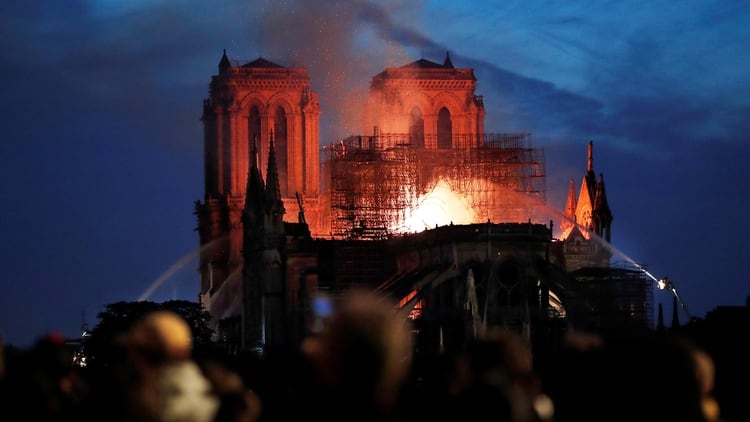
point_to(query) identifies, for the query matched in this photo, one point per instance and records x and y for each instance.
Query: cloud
(144, 68)
(342, 68)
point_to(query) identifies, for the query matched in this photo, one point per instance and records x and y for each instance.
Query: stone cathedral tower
(433, 103)
(250, 107)
(274, 239)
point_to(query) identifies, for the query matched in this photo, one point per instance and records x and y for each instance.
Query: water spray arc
(173, 269)
(660, 283)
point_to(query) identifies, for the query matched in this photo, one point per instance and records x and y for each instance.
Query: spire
(590, 176)
(585, 206)
(254, 153)
(255, 204)
(600, 199)
(601, 213)
(254, 193)
(273, 191)
(675, 319)
(272, 174)
(570, 207)
(448, 62)
(224, 63)
(660, 319)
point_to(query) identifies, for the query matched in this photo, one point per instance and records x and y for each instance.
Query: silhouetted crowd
(361, 366)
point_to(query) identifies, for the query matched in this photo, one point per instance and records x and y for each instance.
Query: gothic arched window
(280, 146)
(416, 128)
(253, 132)
(444, 129)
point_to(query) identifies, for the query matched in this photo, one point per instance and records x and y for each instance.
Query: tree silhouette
(105, 344)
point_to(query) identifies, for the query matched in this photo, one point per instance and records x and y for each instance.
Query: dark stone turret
(675, 317)
(264, 261)
(448, 62)
(224, 62)
(255, 202)
(601, 214)
(590, 175)
(273, 189)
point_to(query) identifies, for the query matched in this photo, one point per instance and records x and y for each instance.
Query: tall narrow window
(253, 132)
(280, 146)
(444, 129)
(416, 129)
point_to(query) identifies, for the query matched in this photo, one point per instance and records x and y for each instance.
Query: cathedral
(423, 205)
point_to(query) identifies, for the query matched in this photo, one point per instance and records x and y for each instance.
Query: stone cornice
(257, 84)
(421, 84)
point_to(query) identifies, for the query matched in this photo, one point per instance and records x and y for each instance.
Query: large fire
(377, 192)
(438, 207)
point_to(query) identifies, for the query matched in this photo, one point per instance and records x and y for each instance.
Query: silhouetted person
(359, 362)
(41, 383)
(502, 385)
(236, 402)
(706, 372)
(627, 376)
(169, 385)
(155, 378)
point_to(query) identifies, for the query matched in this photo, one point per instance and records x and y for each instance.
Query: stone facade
(429, 101)
(268, 244)
(251, 106)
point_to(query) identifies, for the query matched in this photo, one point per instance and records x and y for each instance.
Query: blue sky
(101, 148)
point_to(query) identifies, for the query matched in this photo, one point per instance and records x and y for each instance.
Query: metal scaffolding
(376, 181)
(614, 297)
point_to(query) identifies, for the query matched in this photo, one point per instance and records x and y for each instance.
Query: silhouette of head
(364, 350)
(161, 336)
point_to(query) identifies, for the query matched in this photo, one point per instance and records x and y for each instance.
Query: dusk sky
(102, 140)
